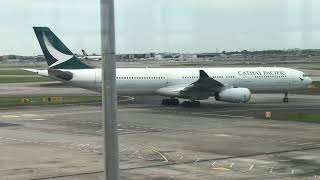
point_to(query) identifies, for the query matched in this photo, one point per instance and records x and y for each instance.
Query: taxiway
(216, 141)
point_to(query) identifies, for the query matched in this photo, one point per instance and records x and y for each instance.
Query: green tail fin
(57, 55)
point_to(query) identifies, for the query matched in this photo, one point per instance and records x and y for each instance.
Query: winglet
(203, 74)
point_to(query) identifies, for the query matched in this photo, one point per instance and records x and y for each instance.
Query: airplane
(233, 85)
(90, 57)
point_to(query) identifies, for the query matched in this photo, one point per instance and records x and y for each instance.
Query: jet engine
(234, 95)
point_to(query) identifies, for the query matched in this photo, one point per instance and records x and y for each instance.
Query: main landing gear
(172, 101)
(286, 99)
(175, 102)
(191, 104)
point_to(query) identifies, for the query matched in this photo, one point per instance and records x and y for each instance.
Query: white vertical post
(109, 93)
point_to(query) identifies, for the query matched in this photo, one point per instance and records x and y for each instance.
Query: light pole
(109, 93)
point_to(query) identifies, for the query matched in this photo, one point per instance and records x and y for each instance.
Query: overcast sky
(189, 26)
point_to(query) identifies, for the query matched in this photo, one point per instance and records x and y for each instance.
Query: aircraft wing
(203, 88)
(204, 83)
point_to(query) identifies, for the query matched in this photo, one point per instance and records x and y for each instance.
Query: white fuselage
(141, 81)
(94, 58)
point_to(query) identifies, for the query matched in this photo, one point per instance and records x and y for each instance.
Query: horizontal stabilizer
(38, 72)
(31, 70)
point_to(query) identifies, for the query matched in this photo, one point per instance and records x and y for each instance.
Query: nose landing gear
(286, 99)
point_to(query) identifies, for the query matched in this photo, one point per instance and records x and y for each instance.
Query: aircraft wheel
(174, 102)
(191, 104)
(285, 99)
(195, 103)
(186, 104)
(166, 102)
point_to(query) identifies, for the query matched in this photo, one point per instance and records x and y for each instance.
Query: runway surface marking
(51, 114)
(60, 113)
(83, 147)
(154, 149)
(221, 169)
(196, 113)
(307, 143)
(29, 115)
(221, 115)
(264, 109)
(222, 135)
(129, 98)
(74, 146)
(96, 148)
(121, 128)
(40, 119)
(10, 116)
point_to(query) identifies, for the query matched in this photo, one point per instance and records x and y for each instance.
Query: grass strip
(314, 87)
(42, 100)
(23, 79)
(301, 117)
(15, 72)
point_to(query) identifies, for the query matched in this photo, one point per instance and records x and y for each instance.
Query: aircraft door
(169, 79)
(98, 82)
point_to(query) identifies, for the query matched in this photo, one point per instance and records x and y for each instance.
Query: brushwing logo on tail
(61, 57)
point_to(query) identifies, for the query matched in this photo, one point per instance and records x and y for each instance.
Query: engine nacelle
(234, 95)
